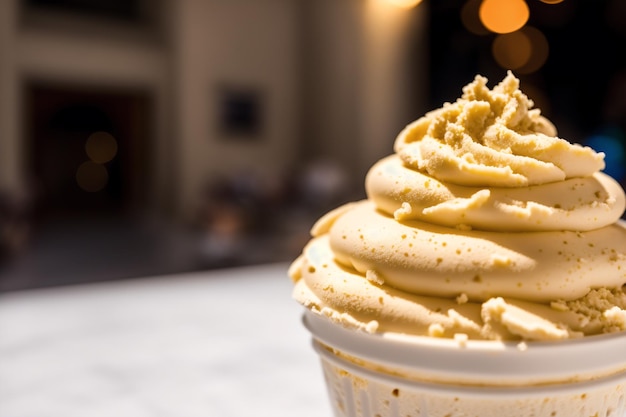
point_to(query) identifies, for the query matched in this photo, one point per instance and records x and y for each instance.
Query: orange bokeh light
(91, 177)
(525, 50)
(512, 50)
(405, 4)
(551, 1)
(470, 19)
(540, 50)
(101, 147)
(503, 16)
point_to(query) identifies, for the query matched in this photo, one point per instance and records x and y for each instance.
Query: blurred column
(9, 96)
(393, 80)
(364, 66)
(330, 65)
(221, 50)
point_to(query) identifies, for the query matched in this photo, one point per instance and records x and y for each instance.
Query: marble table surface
(226, 343)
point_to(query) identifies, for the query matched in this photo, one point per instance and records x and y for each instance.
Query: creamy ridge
(482, 223)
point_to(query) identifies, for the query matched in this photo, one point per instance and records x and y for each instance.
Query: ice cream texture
(483, 224)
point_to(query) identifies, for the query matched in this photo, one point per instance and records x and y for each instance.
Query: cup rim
(494, 362)
(476, 391)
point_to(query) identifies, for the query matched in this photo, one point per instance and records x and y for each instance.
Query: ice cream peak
(493, 138)
(483, 223)
(490, 161)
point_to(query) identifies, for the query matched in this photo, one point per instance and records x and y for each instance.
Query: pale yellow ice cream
(483, 224)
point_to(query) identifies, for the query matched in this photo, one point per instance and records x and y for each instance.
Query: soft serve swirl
(484, 223)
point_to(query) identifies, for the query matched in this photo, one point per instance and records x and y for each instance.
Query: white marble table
(225, 343)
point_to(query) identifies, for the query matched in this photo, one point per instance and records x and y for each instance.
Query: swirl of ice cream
(483, 223)
(493, 138)
(491, 162)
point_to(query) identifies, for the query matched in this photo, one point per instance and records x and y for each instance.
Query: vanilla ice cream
(483, 224)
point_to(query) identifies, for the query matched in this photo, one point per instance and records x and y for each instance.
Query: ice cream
(483, 224)
(484, 238)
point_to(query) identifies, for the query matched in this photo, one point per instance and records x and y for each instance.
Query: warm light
(101, 147)
(469, 17)
(512, 50)
(525, 50)
(504, 16)
(405, 4)
(539, 53)
(552, 1)
(92, 177)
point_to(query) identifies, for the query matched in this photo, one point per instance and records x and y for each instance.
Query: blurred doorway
(87, 148)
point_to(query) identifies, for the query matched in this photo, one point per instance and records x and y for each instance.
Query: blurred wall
(394, 75)
(331, 56)
(335, 80)
(362, 80)
(66, 50)
(9, 99)
(247, 46)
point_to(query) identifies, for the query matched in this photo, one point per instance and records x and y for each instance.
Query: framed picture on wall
(239, 112)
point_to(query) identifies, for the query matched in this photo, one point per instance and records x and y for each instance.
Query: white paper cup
(374, 375)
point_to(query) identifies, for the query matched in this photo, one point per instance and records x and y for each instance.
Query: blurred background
(148, 137)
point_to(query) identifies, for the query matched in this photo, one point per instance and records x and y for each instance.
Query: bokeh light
(91, 176)
(470, 19)
(540, 49)
(101, 147)
(551, 1)
(512, 50)
(525, 50)
(503, 16)
(405, 4)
